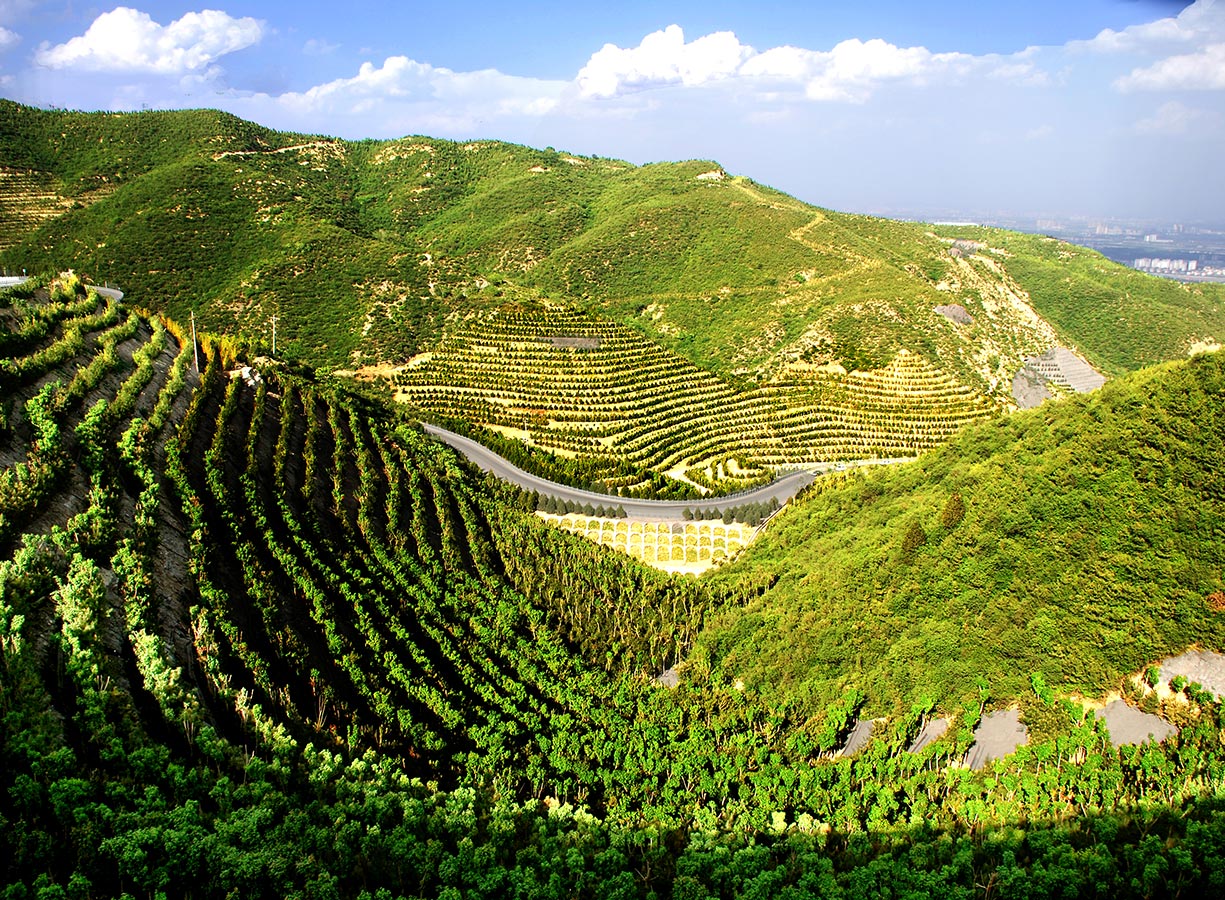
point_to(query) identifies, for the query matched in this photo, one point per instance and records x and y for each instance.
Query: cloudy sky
(1058, 107)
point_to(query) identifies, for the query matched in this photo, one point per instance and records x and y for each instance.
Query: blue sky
(1080, 107)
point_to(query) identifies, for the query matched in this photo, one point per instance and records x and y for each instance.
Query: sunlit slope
(1122, 319)
(583, 386)
(252, 552)
(201, 212)
(363, 250)
(258, 637)
(1081, 541)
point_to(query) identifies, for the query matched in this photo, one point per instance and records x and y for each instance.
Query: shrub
(914, 538)
(954, 511)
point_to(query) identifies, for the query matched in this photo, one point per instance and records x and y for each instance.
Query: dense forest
(259, 636)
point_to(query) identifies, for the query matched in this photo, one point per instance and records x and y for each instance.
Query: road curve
(14, 280)
(781, 489)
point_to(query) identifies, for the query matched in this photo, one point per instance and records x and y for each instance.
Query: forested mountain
(261, 637)
(831, 336)
(1079, 541)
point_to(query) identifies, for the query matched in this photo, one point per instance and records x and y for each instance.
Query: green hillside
(259, 637)
(363, 249)
(809, 336)
(1122, 319)
(587, 389)
(1079, 541)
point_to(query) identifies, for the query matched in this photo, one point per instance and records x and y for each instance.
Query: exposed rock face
(669, 678)
(955, 312)
(1058, 366)
(1062, 366)
(998, 734)
(932, 731)
(860, 734)
(1203, 667)
(1029, 389)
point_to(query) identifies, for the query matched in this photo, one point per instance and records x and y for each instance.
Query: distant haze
(1100, 108)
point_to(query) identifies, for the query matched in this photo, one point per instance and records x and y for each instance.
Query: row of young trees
(601, 391)
(249, 612)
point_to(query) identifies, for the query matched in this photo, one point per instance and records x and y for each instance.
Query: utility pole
(274, 335)
(195, 352)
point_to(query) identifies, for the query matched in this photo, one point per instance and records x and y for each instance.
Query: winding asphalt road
(781, 489)
(13, 280)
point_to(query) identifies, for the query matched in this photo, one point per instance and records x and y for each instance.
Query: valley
(596, 530)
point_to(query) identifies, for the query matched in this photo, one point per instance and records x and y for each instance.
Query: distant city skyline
(1039, 220)
(1099, 108)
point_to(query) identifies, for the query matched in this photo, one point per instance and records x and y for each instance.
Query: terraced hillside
(248, 551)
(260, 638)
(27, 200)
(669, 546)
(582, 386)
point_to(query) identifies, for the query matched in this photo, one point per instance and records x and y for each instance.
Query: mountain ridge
(733, 275)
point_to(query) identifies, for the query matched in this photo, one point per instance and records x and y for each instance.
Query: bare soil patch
(1128, 725)
(998, 734)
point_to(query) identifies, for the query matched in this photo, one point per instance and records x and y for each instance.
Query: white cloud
(1204, 70)
(127, 40)
(7, 38)
(663, 58)
(404, 89)
(1172, 118)
(1137, 37)
(1189, 50)
(1199, 21)
(854, 68)
(849, 72)
(1019, 68)
(319, 47)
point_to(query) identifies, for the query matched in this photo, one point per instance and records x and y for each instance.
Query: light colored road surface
(14, 280)
(112, 292)
(781, 489)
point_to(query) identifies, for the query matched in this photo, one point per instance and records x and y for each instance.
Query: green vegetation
(1121, 319)
(259, 636)
(796, 335)
(200, 211)
(1079, 540)
(586, 388)
(362, 250)
(670, 546)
